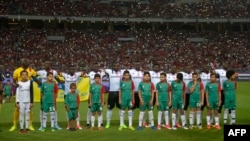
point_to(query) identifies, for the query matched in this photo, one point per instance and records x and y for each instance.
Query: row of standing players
(113, 99)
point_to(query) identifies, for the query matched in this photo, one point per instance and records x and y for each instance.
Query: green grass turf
(112, 134)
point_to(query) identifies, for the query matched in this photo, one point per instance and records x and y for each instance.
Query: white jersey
(115, 79)
(137, 77)
(171, 77)
(223, 76)
(23, 94)
(43, 74)
(155, 77)
(205, 78)
(92, 75)
(70, 79)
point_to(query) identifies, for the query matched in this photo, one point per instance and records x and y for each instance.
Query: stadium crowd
(170, 49)
(151, 8)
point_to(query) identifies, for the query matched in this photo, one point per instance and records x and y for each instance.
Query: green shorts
(146, 106)
(177, 104)
(230, 104)
(163, 106)
(96, 107)
(72, 114)
(126, 104)
(194, 103)
(48, 107)
(213, 105)
(7, 94)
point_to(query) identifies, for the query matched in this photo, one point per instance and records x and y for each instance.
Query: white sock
(44, 119)
(101, 116)
(122, 112)
(56, 119)
(109, 115)
(191, 117)
(173, 119)
(52, 119)
(130, 117)
(141, 115)
(99, 120)
(151, 117)
(185, 114)
(78, 119)
(208, 120)
(166, 117)
(27, 120)
(201, 117)
(233, 117)
(21, 119)
(183, 120)
(198, 118)
(41, 118)
(67, 118)
(216, 120)
(92, 121)
(89, 114)
(225, 116)
(159, 117)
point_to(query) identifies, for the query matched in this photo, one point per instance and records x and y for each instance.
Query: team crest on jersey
(227, 85)
(210, 87)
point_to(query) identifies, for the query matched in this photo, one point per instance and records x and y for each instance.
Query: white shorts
(24, 107)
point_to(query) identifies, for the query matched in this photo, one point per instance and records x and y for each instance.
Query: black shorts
(137, 101)
(1, 92)
(204, 103)
(187, 101)
(113, 100)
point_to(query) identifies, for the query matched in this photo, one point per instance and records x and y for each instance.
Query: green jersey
(229, 88)
(126, 88)
(196, 94)
(177, 90)
(96, 91)
(7, 89)
(72, 100)
(213, 90)
(48, 92)
(163, 91)
(146, 89)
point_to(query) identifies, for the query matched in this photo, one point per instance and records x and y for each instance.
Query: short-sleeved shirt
(49, 91)
(96, 91)
(213, 89)
(163, 91)
(229, 88)
(72, 100)
(146, 89)
(126, 88)
(178, 89)
(17, 73)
